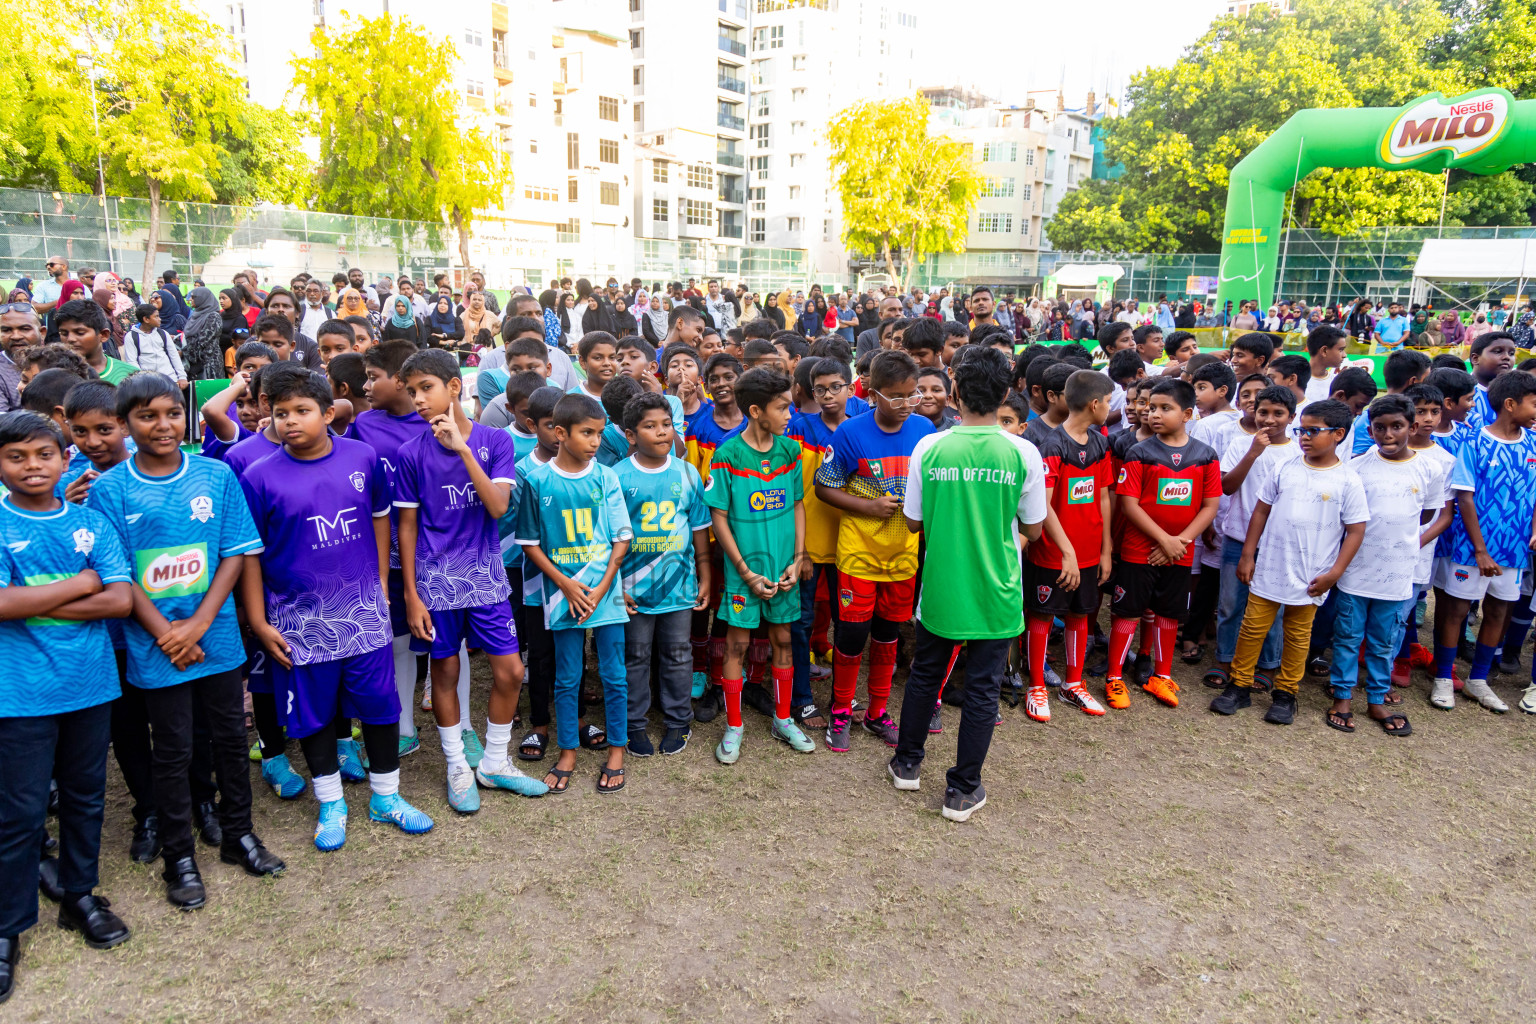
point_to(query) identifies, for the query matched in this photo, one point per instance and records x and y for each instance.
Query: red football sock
(1077, 646)
(700, 653)
(845, 680)
(757, 661)
(1148, 633)
(882, 667)
(1167, 639)
(783, 687)
(717, 661)
(1039, 636)
(1121, 632)
(732, 688)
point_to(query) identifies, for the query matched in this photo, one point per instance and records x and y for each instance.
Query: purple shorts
(258, 665)
(361, 687)
(489, 627)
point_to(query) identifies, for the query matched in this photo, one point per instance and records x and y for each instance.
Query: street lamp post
(87, 63)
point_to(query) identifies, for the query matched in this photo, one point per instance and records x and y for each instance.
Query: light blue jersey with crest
(665, 506)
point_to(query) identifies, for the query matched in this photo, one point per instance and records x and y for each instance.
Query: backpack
(165, 342)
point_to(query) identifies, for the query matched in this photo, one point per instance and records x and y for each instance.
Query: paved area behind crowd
(1155, 865)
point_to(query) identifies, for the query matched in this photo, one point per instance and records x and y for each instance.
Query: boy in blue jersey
(598, 353)
(385, 427)
(617, 394)
(519, 389)
(1457, 390)
(1401, 370)
(665, 573)
(451, 488)
(315, 599)
(186, 528)
(575, 530)
(62, 572)
(90, 409)
(1493, 354)
(1494, 480)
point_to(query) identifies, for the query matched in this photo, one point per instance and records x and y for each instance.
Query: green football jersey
(757, 491)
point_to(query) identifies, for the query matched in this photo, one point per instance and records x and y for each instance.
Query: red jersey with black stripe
(1077, 475)
(1169, 484)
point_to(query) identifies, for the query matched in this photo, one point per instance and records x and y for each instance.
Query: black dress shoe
(145, 847)
(708, 706)
(89, 916)
(10, 952)
(48, 879)
(756, 697)
(248, 852)
(184, 884)
(206, 817)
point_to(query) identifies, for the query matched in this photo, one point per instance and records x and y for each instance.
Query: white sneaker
(1528, 702)
(1443, 695)
(1480, 691)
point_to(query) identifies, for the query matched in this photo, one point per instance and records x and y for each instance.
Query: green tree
(1186, 125)
(900, 187)
(392, 141)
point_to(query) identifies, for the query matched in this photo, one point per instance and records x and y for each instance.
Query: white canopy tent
(1492, 262)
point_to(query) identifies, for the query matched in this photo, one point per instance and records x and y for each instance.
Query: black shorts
(1160, 589)
(1043, 597)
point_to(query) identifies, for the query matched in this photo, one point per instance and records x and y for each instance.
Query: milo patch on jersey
(767, 501)
(1080, 491)
(173, 572)
(1176, 492)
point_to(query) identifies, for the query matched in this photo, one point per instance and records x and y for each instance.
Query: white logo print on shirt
(202, 508)
(485, 455)
(85, 540)
(357, 481)
(18, 545)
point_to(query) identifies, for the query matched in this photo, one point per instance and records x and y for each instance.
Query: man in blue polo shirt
(1392, 328)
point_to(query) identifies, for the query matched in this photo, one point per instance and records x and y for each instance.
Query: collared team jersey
(757, 492)
(1502, 478)
(576, 520)
(822, 521)
(1169, 484)
(868, 462)
(665, 507)
(512, 555)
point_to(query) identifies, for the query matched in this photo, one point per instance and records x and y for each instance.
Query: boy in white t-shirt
(1403, 489)
(1428, 407)
(1215, 388)
(1247, 462)
(1326, 348)
(1311, 515)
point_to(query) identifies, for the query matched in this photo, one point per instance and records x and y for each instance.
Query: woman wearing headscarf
(812, 321)
(232, 318)
(1424, 332)
(1186, 319)
(750, 310)
(351, 303)
(443, 326)
(106, 296)
(772, 311)
(553, 309)
(170, 312)
(24, 284)
(71, 291)
(1523, 334)
(402, 323)
(1451, 326)
(624, 323)
(1478, 327)
(201, 351)
(478, 317)
(128, 288)
(654, 327)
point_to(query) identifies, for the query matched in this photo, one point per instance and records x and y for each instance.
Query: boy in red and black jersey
(1063, 579)
(1169, 488)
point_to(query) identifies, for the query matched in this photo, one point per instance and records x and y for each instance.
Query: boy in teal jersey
(756, 491)
(516, 396)
(665, 573)
(574, 528)
(62, 572)
(186, 527)
(90, 410)
(617, 394)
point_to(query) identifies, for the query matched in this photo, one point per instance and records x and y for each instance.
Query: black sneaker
(1282, 708)
(709, 706)
(903, 776)
(1141, 671)
(675, 741)
(756, 697)
(935, 722)
(1097, 663)
(1013, 689)
(1231, 699)
(1510, 667)
(640, 744)
(960, 806)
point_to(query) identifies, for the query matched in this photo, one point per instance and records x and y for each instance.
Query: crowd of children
(721, 523)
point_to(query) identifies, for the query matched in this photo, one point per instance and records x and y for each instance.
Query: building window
(533, 145)
(474, 88)
(759, 134)
(473, 37)
(636, 6)
(759, 230)
(639, 116)
(637, 39)
(792, 223)
(759, 165)
(1027, 193)
(757, 193)
(796, 95)
(994, 223)
(533, 99)
(794, 192)
(696, 212)
(608, 107)
(762, 72)
(571, 190)
(797, 62)
(1000, 152)
(570, 231)
(998, 188)
(659, 210)
(659, 172)
(764, 104)
(548, 195)
(826, 230)
(608, 193)
(701, 176)
(1029, 158)
(607, 151)
(796, 127)
(637, 78)
(572, 151)
(796, 159)
(768, 38)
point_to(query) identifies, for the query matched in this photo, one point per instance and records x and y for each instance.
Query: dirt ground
(1154, 865)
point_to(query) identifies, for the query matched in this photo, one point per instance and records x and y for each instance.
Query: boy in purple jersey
(451, 488)
(315, 598)
(385, 427)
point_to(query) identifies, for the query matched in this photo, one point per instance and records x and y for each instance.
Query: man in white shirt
(719, 307)
(316, 311)
(561, 373)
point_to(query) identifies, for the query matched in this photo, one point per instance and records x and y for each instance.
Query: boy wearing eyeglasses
(864, 474)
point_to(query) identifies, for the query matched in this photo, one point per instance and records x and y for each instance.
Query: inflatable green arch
(1485, 131)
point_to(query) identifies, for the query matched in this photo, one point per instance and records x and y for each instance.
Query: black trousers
(71, 749)
(171, 711)
(131, 748)
(985, 663)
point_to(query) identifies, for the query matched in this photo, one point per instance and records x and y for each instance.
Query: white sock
(453, 746)
(384, 783)
(328, 787)
(405, 683)
(496, 739)
(464, 722)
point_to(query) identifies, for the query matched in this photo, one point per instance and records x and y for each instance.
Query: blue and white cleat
(730, 745)
(473, 751)
(507, 776)
(409, 744)
(279, 774)
(396, 811)
(350, 757)
(331, 828)
(462, 794)
(700, 684)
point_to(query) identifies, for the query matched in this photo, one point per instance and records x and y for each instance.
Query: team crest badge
(766, 465)
(1082, 458)
(485, 454)
(85, 540)
(596, 494)
(1042, 594)
(874, 468)
(1177, 458)
(202, 508)
(738, 602)
(1462, 575)
(845, 597)
(1119, 593)
(357, 480)
(677, 490)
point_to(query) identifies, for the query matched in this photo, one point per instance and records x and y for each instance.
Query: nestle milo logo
(1176, 492)
(1462, 126)
(1080, 490)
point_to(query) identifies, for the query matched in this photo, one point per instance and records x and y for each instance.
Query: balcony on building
(730, 82)
(730, 44)
(729, 159)
(734, 196)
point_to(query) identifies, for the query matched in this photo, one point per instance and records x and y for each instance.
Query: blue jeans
(1376, 624)
(800, 631)
(1229, 612)
(609, 641)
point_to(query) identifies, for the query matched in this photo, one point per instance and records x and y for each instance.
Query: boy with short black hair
(1458, 390)
(1052, 403)
(933, 385)
(1149, 345)
(1327, 347)
(1401, 370)
(1215, 390)
(1013, 413)
(90, 410)
(761, 352)
(349, 380)
(924, 342)
(1311, 513)
(1250, 353)
(451, 487)
(83, 326)
(597, 352)
(617, 394)
(1493, 354)
(276, 332)
(45, 395)
(1429, 408)
(1290, 371)
(1117, 336)
(525, 357)
(334, 338)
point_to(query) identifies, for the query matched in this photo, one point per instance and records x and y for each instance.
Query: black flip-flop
(609, 774)
(533, 739)
(562, 781)
(1392, 699)
(1347, 717)
(1195, 658)
(1405, 729)
(593, 738)
(1221, 677)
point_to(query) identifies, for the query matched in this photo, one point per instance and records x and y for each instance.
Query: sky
(1028, 44)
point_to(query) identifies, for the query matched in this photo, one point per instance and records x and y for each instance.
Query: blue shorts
(258, 665)
(396, 587)
(489, 627)
(361, 687)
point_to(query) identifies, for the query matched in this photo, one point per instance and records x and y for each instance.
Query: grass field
(1154, 865)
